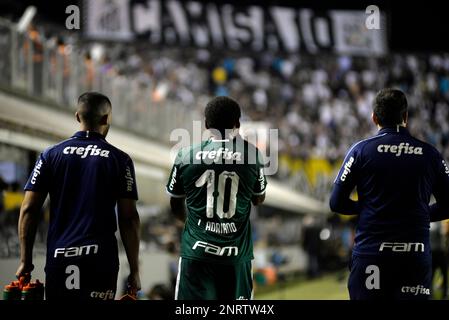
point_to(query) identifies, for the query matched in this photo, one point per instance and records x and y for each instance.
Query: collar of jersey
(217, 139)
(395, 129)
(88, 134)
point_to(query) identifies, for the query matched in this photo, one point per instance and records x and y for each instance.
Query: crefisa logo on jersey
(107, 295)
(402, 148)
(446, 168)
(90, 150)
(415, 290)
(261, 179)
(173, 179)
(129, 180)
(36, 172)
(347, 169)
(221, 153)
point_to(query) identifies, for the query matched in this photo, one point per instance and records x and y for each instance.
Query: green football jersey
(218, 179)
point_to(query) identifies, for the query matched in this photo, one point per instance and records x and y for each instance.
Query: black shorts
(200, 280)
(87, 279)
(390, 278)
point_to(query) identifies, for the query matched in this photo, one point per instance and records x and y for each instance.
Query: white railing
(39, 68)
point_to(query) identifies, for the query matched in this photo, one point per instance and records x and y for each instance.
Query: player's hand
(133, 284)
(24, 270)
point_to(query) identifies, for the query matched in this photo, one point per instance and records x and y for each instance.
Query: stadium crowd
(322, 102)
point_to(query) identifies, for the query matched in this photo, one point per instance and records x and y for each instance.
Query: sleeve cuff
(258, 193)
(174, 195)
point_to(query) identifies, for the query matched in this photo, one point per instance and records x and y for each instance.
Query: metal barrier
(57, 73)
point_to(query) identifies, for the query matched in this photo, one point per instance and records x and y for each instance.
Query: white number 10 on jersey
(226, 192)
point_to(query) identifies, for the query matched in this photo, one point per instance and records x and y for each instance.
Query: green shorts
(200, 280)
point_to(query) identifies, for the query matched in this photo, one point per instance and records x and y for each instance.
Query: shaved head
(93, 110)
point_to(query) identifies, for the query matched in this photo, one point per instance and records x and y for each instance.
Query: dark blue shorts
(85, 279)
(390, 278)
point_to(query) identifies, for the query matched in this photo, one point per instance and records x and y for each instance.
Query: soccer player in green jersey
(217, 179)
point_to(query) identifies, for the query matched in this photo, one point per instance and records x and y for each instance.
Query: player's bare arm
(257, 200)
(28, 222)
(178, 208)
(129, 224)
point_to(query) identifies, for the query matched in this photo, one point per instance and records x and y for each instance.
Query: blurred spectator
(173, 263)
(32, 48)
(311, 245)
(9, 217)
(160, 292)
(63, 66)
(89, 70)
(439, 259)
(13, 197)
(3, 186)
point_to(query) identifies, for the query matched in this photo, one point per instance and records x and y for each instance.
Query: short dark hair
(222, 113)
(92, 106)
(390, 106)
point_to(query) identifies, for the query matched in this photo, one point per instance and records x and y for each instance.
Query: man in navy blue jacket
(395, 176)
(87, 179)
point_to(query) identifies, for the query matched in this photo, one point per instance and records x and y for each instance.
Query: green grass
(323, 288)
(327, 287)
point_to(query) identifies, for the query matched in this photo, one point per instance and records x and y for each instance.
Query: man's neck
(96, 130)
(402, 125)
(228, 135)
